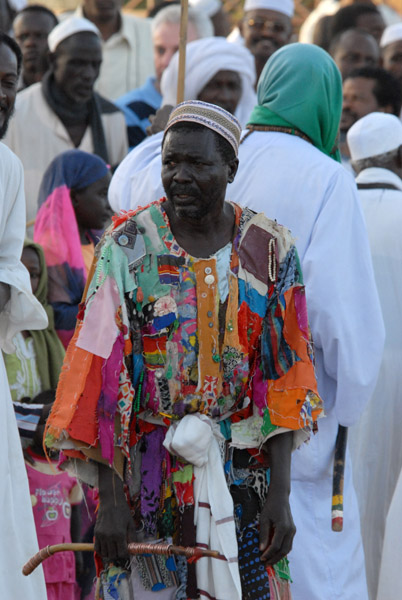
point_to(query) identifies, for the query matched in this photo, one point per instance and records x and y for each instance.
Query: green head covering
(300, 88)
(48, 348)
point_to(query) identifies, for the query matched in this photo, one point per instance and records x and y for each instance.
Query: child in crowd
(56, 499)
(73, 212)
(36, 363)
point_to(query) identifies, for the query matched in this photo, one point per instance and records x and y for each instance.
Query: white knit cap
(374, 134)
(391, 34)
(209, 7)
(69, 27)
(285, 7)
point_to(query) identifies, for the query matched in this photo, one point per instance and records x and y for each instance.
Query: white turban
(286, 7)
(70, 27)
(204, 59)
(392, 33)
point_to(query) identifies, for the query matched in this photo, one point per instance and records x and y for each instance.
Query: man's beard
(3, 129)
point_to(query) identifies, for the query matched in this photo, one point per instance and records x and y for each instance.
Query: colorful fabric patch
(169, 268)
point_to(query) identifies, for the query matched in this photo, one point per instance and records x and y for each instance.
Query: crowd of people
(198, 298)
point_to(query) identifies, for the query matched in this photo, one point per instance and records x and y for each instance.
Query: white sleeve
(342, 300)
(22, 311)
(137, 181)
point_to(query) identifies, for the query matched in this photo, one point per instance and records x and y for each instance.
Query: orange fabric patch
(84, 424)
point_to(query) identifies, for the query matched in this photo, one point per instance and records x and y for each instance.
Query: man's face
(101, 10)
(372, 23)
(31, 30)
(75, 64)
(224, 90)
(8, 86)
(194, 174)
(166, 43)
(358, 101)
(392, 60)
(265, 31)
(355, 50)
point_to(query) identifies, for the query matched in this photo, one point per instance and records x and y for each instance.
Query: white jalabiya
(196, 439)
(375, 443)
(204, 58)
(390, 580)
(18, 540)
(293, 182)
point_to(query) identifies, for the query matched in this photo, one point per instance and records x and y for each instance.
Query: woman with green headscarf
(36, 364)
(289, 169)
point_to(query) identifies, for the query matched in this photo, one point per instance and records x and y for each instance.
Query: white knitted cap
(285, 7)
(70, 27)
(374, 134)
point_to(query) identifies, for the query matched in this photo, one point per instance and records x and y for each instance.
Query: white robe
(298, 185)
(18, 540)
(375, 442)
(293, 182)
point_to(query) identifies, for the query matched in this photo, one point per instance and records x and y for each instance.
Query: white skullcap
(69, 27)
(208, 7)
(374, 134)
(391, 34)
(285, 7)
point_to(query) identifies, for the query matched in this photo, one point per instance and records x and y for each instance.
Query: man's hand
(114, 527)
(159, 120)
(277, 529)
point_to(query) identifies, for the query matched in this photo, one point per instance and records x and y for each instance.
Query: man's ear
(233, 166)
(389, 109)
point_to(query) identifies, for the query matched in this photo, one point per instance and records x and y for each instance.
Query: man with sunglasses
(266, 26)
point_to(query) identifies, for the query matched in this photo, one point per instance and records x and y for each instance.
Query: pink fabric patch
(301, 310)
(99, 330)
(108, 399)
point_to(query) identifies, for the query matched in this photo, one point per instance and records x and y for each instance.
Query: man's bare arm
(276, 524)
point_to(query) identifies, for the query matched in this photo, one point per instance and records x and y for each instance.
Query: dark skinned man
(266, 26)
(31, 27)
(68, 113)
(126, 42)
(205, 292)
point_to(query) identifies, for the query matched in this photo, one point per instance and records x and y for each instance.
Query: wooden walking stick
(338, 478)
(182, 51)
(191, 553)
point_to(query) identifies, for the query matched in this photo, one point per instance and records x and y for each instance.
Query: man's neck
(107, 28)
(202, 237)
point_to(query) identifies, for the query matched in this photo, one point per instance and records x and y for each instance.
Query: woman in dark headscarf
(73, 211)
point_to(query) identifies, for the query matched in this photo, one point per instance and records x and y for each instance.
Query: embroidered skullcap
(209, 115)
(286, 7)
(69, 27)
(374, 134)
(392, 33)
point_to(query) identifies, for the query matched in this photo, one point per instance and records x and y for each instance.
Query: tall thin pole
(182, 50)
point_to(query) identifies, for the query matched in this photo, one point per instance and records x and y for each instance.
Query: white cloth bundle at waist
(195, 438)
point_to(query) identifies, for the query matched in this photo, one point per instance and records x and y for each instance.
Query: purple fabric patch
(108, 398)
(151, 477)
